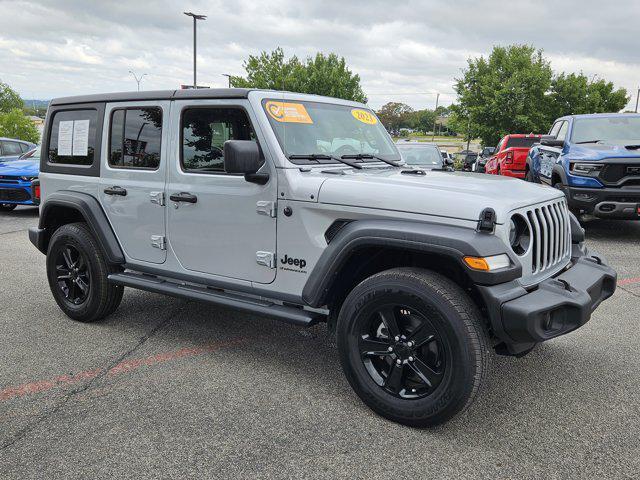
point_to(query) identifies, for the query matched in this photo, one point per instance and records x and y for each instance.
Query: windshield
(425, 156)
(622, 130)
(32, 154)
(308, 128)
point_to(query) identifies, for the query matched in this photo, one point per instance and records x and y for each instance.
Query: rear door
(221, 224)
(133, 176)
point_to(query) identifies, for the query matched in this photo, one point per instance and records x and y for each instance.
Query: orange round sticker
(364, 116)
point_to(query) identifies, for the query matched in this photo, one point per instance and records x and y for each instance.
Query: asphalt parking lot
(170, 388)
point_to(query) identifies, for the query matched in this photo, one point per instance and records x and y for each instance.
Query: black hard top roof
(155, 95)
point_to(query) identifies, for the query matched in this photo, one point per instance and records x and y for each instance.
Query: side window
(24, 147)
(135, 137)
(554, 130)
(204, 131)
(11, 148)
(562, 133)
(73, 137)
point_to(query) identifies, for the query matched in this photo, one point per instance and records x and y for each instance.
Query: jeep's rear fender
(66, 206)
(359, 247)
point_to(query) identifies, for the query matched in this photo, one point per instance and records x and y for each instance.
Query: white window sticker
(65, 138)
(80, 138)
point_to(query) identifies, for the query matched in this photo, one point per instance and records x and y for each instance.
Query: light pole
(138, 79)
(195, 19)
(435, 118)
(637, 99)
(229, 77)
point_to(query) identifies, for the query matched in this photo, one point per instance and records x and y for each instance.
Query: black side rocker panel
(450, 241)
(90, 210)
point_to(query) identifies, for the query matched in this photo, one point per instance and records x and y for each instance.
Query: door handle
(183, 197)
(115, 190)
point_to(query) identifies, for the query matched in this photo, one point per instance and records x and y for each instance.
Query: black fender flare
(90, 210)
(450, 241)
(559, 170)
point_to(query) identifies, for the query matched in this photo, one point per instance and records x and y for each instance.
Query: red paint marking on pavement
(122, 367)
(628, 281)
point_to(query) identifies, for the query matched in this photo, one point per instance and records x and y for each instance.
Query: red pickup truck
(510, 157)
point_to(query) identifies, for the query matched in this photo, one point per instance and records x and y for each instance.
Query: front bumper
(522, 317)
(16, 193)
(616, 203)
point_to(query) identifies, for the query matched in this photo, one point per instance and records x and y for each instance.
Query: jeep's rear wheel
(77, 272)
(413, 346)
(7, 207)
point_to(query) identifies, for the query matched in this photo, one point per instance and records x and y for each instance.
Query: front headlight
(586, 169)
(519, 235)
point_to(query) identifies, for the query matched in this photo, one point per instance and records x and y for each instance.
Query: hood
(446, 194)
(595, 152)
(18, 168)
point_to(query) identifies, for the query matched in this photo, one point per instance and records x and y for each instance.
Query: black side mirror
(448, 161)
(551, 142)
(243, 156)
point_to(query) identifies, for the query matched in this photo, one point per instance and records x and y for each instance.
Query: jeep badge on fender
(418, 296)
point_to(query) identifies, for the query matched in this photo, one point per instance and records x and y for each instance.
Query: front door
(133, 176)
(218, 223)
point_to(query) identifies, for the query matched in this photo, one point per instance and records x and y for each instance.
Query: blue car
(595, 160)
(16, 180)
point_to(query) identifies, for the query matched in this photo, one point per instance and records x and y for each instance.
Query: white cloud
(403, 51)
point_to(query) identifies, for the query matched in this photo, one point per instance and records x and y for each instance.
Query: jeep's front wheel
(413, 346)
(77, 271)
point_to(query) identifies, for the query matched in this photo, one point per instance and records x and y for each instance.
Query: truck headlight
(586, 169)
(519, 235)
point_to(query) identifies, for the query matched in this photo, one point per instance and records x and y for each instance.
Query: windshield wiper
(324, 156)
(364, 156)
(588, 141)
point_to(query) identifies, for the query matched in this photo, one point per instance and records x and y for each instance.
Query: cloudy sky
(403, 50)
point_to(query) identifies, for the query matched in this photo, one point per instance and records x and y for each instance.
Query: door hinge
(157, 198)
(159, 241)
(265, 207)
(268, 259)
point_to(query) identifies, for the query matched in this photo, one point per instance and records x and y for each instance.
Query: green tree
(320, 75)
(395, 115)
(514, 90)
(424, 120)
(15, 124)
(9, 98)
(574, 94)
(505, 93)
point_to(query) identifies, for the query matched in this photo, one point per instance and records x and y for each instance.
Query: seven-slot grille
(550, 235)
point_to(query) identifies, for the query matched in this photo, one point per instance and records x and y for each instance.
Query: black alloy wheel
(73, 274)
(402, 350)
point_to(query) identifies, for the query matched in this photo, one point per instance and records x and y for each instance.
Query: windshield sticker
(288, 112)
(364, 116)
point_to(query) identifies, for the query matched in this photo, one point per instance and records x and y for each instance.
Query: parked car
(485, 153)
(419, 275)
(595, 160)
(510, 156)
(446, 155)
(424, 155)
(16, 178)
(468, 160)
(10, 148)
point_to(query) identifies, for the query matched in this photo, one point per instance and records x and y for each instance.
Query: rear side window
(522, 142)
(135, 138)
(11, 148)
(204, 131)
(73, 137)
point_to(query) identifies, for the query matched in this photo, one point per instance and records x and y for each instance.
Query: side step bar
(296, 316)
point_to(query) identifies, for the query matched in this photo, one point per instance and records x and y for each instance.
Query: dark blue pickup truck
(595, 160)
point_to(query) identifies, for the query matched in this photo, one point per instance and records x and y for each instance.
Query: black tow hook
(565, 284)
(597, 259)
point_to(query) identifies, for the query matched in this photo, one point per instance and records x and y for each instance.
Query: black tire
(462, 346)
(98, 298)
(529, 176)
(7, 207)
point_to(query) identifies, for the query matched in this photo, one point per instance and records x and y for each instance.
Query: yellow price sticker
(364, 116)
(287, 112)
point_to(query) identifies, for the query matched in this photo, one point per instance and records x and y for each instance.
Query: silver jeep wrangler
(298, 207)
